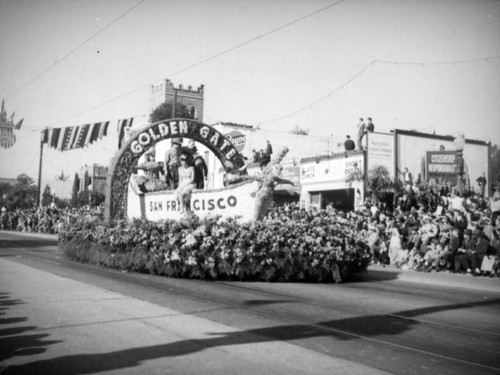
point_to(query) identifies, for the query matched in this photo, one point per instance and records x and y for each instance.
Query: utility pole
(174, 104)
(42, 141)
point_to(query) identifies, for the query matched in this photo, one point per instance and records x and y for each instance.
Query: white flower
(210, 262)
(190, 240)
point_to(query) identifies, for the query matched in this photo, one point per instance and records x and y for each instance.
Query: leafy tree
(24, 179)
(24, 193)
(354, 176)
(379, 182)
(74, 192)
(299, 131)
(164, 112)
(95, 198)
(5, 194)
(86, 181)
(47, 196)
(61, 202)
(495, 164)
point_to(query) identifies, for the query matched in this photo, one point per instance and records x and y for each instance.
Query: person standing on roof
(361, 133)
(349, 144)
(370, 127)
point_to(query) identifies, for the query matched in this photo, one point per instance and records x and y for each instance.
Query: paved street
(58, 317)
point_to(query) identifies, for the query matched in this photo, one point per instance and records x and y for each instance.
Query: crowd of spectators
(433, 229)
(429, 228)
(262, 157)
(43, 219)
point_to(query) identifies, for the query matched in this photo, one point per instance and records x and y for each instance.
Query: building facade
(421, 158)
(94, 178)
(329, 181)
(7, 136)
(247, 139)
(165, 91)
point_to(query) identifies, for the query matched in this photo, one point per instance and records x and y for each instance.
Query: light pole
(459, 143)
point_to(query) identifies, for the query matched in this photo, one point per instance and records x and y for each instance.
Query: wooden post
(174, 104)
(42, 138)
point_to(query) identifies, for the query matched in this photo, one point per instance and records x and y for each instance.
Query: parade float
(129, 196)
(227, 234)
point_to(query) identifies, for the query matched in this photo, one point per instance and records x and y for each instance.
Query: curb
(453, 280)
(33, 235)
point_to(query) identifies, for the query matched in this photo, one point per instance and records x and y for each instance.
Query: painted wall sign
(238, 200)
(411, 153)
(380, 151)
(331, 169)
(442, 164)
(237, 139)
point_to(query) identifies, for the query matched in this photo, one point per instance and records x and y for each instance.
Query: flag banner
(18, 125)
(68, 132)
(73, 137)
(82, 136)
(94, 133)
(45, 136)
(54, 137)
(103, 131)
(122, 125)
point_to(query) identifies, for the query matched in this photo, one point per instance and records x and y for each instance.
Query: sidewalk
(31, 234)
(380, 273)
(56, 325)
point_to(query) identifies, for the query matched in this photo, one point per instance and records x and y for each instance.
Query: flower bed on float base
(316, 249)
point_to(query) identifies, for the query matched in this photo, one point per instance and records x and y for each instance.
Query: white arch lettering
(214, 139)
(125, 160)
(204, 131)
(163, 129)
(144, 139)
(136, 147)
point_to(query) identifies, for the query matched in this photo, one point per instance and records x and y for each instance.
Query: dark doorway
(342, 199)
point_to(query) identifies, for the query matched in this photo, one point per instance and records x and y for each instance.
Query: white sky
(272, 77)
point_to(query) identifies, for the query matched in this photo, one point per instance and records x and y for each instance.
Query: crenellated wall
(165, 91)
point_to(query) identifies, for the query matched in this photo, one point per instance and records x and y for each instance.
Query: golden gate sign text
(181, 129)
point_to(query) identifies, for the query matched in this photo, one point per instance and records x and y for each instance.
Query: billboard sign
(442, 165)
(237, 139)
(380, 152)
(233, 201)
(330, 170)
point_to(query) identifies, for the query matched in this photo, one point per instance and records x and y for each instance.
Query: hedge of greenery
(317, 248)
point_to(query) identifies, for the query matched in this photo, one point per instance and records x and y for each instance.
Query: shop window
(315, 200)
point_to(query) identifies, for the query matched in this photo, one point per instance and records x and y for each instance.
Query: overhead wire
(363, 70)
(74, 49)
(373, 62)
(212, 57)
(365, 67)
(324, 97)
(422, 63)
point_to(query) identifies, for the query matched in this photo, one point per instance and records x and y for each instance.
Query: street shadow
(14, 341)
(27, 242)
(343, 329)
(262, 302)
(371, 275)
